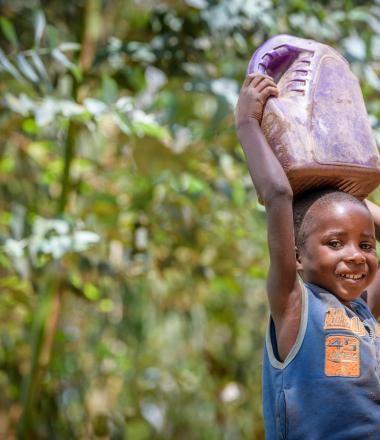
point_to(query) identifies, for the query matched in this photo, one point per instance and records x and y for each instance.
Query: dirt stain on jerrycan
(318, 126)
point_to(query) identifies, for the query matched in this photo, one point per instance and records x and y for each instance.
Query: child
(321, 372)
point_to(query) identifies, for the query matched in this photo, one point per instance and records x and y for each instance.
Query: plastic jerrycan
(318, 126)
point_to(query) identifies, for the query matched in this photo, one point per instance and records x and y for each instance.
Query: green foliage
(134, 259)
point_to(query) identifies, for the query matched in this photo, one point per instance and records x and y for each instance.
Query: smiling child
(321, 371)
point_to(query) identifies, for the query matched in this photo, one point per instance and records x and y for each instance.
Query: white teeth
(351, 277)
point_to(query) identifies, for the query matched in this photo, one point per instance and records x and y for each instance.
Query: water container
(318, 126)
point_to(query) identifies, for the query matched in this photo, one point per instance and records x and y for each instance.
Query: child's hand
(256, 89)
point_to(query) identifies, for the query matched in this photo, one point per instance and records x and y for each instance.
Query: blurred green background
(133, 255)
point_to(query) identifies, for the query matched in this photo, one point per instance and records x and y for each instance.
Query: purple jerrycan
(318, 126)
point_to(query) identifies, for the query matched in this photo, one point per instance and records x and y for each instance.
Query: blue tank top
(328, 387)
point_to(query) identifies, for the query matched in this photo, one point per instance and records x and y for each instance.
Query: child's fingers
(265, 82)
(249, 78)
(259, 80)
(267, 92)
(247, 81)
(254, 79)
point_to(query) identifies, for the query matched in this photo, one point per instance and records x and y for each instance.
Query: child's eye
(334, 244)
(366, 246)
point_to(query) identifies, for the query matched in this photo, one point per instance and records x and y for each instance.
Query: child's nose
(356, 256)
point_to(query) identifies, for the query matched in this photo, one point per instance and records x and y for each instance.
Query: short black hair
(303, 203)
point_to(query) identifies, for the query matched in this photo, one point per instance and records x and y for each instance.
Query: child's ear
(299, 265)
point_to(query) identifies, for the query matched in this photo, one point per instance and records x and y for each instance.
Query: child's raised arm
(373, 290)
(274, 189)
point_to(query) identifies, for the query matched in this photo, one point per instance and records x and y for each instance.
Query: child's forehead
(328, 208)
(339, 212)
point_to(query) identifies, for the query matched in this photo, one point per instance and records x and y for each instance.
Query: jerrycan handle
(274, 62)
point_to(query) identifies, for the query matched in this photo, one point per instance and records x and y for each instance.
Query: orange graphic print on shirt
(342, 356)
(337, 319)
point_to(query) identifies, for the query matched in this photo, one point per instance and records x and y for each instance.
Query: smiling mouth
(354, 277)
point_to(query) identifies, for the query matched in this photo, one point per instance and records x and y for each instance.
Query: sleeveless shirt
(328, 387)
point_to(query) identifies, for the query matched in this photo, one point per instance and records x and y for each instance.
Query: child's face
(340, 250)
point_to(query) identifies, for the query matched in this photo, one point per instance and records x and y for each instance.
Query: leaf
(54, 237)
(44, 226)
(69, 108)
(15, 249)
(198, 4)
(144, 124)
(192, 184)
(123, 122)
(106, 305)
(45, 113)
(39, 65)
(18, 221)
(26, 68)
(69, 46)
(153, 414)
(355, 46)
(91, 292)
(61, 58)
(227, 88)
(29, 126)
(95, 106)
(372, 77)
(9, 67)
(358, 14)
(151, 129)
(82, 240)
(52, 36)
(8, 30)
(39, 27)
(21, 105)
(109, 89)
(124, 104)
